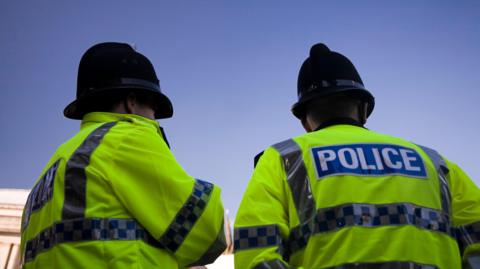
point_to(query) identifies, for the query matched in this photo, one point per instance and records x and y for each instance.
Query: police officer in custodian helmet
(343, 196)
(113, 196)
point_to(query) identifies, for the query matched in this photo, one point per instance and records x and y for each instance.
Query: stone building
(11, 207)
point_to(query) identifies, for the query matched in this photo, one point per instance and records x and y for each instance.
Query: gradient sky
(230, 69)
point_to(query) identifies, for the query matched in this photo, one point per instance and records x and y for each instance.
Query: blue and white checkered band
(363, 160)
(40, 194)
(76, 230)
(367, 160)
(187, 216)
(468, 235)
(257, 237)
(369, 215)
(385, 265)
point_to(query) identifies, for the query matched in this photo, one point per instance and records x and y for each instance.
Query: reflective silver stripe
(369, 215)
(75, 175)
(186, 217)
(473, 262)
(468, 235)
(274, 264)
(297, 178)
(75, 230)
(385, 265)
(217, 247)
(442, 171)
(257, 237)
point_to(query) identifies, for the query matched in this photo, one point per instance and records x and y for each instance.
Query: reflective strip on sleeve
(76, 230)
(257, 237)
(297, 178)
(75, 175)
(385, 265)
(442, 171)
(468, 235)
(369, 215)
(187, 216)
(274, 264)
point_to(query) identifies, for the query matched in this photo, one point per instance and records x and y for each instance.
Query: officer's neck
(337, 121)
(132, 106)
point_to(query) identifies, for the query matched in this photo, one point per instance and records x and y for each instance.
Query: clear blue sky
(230, 69)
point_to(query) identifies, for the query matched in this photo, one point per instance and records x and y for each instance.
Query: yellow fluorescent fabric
(268, 200)
(131, 175)
(465, 205)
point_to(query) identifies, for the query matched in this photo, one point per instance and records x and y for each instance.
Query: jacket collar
(99, 117)
(338, 121)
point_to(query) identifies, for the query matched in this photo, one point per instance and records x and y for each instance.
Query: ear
(130, 103)
(365, 113)
(306, 125)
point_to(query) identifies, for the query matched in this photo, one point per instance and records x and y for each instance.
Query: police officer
(113, 196)
(343, 196)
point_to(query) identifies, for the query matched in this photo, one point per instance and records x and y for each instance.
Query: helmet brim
(77, 109)
(299, 108)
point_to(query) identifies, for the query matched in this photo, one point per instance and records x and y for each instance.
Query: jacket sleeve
(184, 214)
(261, 224)
(466, 214)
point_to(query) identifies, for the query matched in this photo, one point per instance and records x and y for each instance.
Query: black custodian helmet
(112, 68)
(327, 73)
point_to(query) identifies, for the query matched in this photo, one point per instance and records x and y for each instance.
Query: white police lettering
(368, 159)
(326, 156)
(378, 159)
(352, 156)
(408, 159)
(388, 160)
(41, 193)
(363, 161)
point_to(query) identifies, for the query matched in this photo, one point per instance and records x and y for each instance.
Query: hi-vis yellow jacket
(113, 196)
(347, 197)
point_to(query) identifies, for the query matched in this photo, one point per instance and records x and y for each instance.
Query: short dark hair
(339, 105)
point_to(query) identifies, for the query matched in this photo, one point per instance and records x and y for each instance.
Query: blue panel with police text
(368, 160)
